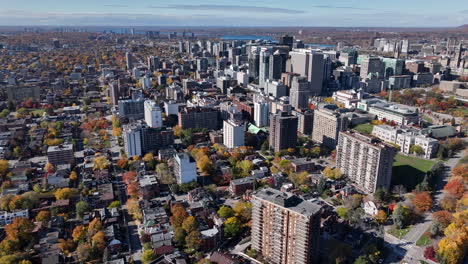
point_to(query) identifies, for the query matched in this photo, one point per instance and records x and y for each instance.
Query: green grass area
(409, 171)
(424, 240)
(364, 128)
(38, 111)
(427, 119)
(399, 233)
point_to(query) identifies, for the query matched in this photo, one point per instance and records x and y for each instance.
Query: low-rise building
(61, 154)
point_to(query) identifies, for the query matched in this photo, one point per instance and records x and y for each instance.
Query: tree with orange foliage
(129, 177)
(43, 216)
(122, 163)
(134, 209)
(79, 234)
(443, 217)
(133, 189)
(460, 171)
(455, 187)
(99, 241)
(422, 201)
(66, 246)
(20, 229)
(179, 214)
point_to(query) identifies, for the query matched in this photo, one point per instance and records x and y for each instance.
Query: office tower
(153, 114)
(275, 66)
(283, 131)
(309, 64)
(405, 46)
(299, 93)
(61, 154)
(287, 40)
(185, 168)
(145, 82)
(131, 108)
(348, 57)
(275, 88)
(140, 139)
(371, 65)
(254, 65)
(393, 66)
(129, 60)
(233, 134)
(202, 64)
(327, 125)
(285, 227)
(451, 45)
(153, 63)
(365, 161)
(264, 67)
(261, 112)
(196, 117)
(56, 43)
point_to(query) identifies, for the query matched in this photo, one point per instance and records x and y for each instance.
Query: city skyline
(340, 13)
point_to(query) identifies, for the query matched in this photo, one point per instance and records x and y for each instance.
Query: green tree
(179, 236)
(232, 227)
(81, 208)
(225, 212)
(148, 256)
(401, 216)
(190, 224)
(193, 240)
(418, 150)
(114, 204)
(342, 212)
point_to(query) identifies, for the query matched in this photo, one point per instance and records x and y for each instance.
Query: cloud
(342, 7)
(238, 8)
(115, 5)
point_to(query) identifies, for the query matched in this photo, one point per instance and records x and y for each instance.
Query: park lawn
(424, 240)
(364, 128)
(399, 233)
(38, 111)
(409, 171)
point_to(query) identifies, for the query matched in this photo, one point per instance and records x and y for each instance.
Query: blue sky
(390, 13)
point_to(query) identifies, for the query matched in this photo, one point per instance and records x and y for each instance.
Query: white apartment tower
(234, 134)
(153, 114)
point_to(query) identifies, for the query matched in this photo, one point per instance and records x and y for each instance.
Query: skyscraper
(309, 64)
(264, 67)
(299, 93)
(129, 60)
(327, 125)
(372, 65)
(275, 66)
(285, 227)
(254, 64)
(286, 40)
(283, 131)
(234, 134)
(153, 63)
(365, 160)
(153, 114)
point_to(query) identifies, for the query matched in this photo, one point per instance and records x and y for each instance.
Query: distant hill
(463, 27)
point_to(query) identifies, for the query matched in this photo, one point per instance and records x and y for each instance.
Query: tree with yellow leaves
(381, 217)
(101, 163)
(148, 157)
(453, 247)
(49, 167)
(73, 176)
(66, 193)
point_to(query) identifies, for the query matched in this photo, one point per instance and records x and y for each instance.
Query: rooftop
(289, 201)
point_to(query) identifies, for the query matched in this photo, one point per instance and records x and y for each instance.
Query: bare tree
(399, 189)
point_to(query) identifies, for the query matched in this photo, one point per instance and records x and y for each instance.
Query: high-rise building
(264, 67)
(196, 117)
(275, 66)
(171, 108)
(234, 134)
(153, 114)
(371, 65)
(327, 125)
(153, 63)
(365, 161)
(393, 66)
(254, 65)
(299, 93)
(283, 131)
(140, 139)
(132, 108)
(114, 92)
(132, 141)
(129, 60)
(287, 40)
(305, 123)
(309, 64)
(285, 227)
(275, 88)
(185, 168)
(202, 64)
(261, 112)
